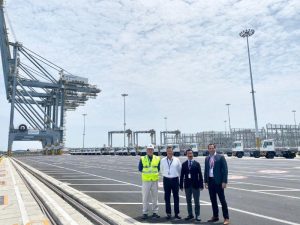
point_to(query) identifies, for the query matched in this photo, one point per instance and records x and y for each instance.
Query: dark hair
(188, 150)
(169, 147)
(210, 145)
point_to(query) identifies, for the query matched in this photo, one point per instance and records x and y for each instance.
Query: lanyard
(169, 164)
(212, 162)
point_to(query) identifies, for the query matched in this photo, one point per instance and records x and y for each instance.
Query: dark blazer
(196, 180)
(220, 169)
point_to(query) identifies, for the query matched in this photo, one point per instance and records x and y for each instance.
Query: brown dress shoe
(213, 219)
(226, 222)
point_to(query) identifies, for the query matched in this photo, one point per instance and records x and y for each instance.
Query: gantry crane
(127, 132)
(40, 91)
(136, 136)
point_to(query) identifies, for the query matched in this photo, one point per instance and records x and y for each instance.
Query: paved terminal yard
(260, 191)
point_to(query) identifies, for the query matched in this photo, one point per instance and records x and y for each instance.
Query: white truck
(267, 149)
(176, 149)
(132, 151)
(143, 151)
(195, 148)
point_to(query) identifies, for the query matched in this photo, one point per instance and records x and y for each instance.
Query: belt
(170, 178)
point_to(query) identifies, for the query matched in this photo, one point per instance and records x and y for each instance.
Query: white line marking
(278, 190)
(112, 192)
(100, 184)
(233, 209)
(19, 197)
(140, 203)
(49, 199)
(261, 185)
(66, 179)
(266, 193)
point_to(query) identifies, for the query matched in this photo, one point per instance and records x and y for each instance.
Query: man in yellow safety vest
(149, 166)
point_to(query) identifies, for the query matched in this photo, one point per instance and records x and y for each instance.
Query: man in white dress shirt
(171, 169)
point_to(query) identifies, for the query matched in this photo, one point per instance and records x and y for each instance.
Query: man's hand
(206, 185)
(224, 185)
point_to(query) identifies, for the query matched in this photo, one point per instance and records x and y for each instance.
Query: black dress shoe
(145, 216)
(198, 218)
(189, 217)
(168, 216)
(177, 217)
(213, 219)
(155, 215)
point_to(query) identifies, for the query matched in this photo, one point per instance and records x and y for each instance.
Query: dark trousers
(215, 189)
(196, 195)
(171, 185)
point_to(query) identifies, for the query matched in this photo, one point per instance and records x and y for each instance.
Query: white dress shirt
(170, 168)
(211, 166)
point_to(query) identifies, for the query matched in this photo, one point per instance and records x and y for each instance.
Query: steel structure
(174, 138)
(40, 91)
(284, 135)
(136, 136)
(129, 136)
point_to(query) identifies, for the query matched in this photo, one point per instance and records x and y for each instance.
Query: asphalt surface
(260, 191)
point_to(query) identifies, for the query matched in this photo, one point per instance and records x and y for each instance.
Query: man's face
(150, 151)
(190, 155)
(211, 149)
(169, 152)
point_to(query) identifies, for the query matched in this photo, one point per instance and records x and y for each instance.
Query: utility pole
(229, 124)
(166, 129)
(124, 96)
(246, 34)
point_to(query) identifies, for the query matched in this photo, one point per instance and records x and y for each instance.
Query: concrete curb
(111, 215)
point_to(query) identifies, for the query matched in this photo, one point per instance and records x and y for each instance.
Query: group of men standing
(187, 176)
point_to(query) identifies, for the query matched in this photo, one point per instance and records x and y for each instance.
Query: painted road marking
(261, 192)
(68, 218)
(112, 192)
(140, 203)
(233, 209)
(79, 179)
(100, 184)
(21, 205)
(272, 171)
(262, 185)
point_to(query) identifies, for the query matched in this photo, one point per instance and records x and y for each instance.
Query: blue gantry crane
(40, 91)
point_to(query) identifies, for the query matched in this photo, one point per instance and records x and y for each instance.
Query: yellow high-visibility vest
(150, 169)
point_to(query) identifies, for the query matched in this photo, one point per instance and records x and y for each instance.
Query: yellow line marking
(5, 201)
(39, 222)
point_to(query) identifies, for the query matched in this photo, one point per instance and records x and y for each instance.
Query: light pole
(296, 130)
(166, 128)
(246, 34)
(294, 111)
(225, 121)
(229, 124)
(83, 134)
(124, 95)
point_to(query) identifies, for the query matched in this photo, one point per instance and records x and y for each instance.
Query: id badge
(189, 176)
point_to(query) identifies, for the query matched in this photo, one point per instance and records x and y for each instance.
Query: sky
(180, 59)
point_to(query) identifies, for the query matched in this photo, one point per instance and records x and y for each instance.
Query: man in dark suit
(191, 177)
(215, 178)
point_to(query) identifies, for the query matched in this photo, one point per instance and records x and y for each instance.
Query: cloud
(182, 58)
